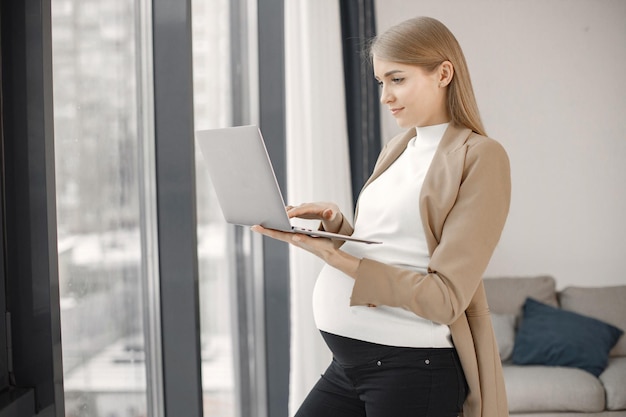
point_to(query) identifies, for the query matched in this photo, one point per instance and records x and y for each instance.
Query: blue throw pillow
(550, 336)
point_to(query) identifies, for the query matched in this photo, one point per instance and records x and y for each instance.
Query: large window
(212, 108)
(98, 177)
(223, 97)
(103, 143)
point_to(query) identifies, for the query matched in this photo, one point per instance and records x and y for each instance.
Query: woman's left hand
(318, 246)
(321, 247)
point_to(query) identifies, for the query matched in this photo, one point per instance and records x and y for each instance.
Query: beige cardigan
(464, 203)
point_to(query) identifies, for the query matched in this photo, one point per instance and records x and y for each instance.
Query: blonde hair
(426, 42)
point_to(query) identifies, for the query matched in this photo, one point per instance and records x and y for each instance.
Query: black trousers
(371, 380)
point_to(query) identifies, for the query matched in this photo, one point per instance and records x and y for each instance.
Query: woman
(407, 321)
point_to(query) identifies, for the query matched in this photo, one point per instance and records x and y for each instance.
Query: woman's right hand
(324, 211)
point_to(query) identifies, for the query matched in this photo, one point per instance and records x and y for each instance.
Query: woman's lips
(395, 111)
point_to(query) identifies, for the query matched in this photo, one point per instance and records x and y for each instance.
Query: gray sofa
(547, 390)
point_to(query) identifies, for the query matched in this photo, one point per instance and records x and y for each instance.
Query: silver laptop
(245, 183)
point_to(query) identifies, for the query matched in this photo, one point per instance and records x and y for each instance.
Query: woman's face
(415, 97)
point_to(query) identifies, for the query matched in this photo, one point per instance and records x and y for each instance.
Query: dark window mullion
(176, 207)
(271, 41)
(30, 208)
(4, 364)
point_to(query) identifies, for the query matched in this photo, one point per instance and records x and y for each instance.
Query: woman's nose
(385, 97)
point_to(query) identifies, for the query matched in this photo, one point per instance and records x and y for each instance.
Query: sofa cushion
(606, 304)
(507, 295)
(552, 389)
(504, 329)
(550, 336)
(614, 380)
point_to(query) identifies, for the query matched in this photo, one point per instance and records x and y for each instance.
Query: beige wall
(550, 79)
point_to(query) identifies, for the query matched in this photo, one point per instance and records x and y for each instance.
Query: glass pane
(98, 197)
(212, 108)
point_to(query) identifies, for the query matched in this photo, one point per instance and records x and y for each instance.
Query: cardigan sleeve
(462, 252)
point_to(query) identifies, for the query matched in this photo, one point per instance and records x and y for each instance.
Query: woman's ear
(446, 72)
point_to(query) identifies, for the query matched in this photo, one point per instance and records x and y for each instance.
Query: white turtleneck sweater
(388, 212)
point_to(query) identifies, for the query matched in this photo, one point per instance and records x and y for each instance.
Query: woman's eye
(397, 80)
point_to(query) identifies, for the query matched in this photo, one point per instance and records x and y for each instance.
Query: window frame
(4, 356)
(275, 258)
(176, 207)
(32, 286)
